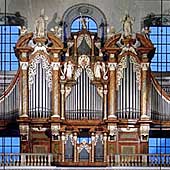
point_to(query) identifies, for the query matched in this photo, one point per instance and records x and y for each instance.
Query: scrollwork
(33, 69)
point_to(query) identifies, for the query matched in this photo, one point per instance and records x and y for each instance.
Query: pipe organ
(97, 100)
(128, 89)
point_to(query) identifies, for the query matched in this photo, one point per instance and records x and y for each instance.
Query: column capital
(112, 66)
(24, 65)
(55, 65)
(75, 36)
(144, 66)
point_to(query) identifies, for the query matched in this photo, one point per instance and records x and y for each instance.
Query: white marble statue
(40, 24)
(97, 70)
(127, 25)
(68, 69)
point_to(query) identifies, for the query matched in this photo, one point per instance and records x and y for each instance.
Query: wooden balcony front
(47, 160)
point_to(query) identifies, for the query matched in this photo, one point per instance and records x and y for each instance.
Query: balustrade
(116, 160)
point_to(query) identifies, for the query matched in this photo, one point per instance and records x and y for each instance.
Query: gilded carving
(33, 69)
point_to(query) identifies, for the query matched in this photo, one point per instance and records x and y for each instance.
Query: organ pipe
(9, 101)
(40, 94)
(84, 101)
(128, 94)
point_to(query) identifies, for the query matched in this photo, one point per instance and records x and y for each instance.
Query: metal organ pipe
(9, 103)
(128, 93)
(39, 94)
(160, 104)
(84, 99)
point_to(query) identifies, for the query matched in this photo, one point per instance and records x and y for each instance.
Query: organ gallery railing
(118, 160)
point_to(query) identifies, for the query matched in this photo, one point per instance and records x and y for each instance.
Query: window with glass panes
(9, 145)
(159, 145)
(90, 23)
(8, 38)
(160, 37)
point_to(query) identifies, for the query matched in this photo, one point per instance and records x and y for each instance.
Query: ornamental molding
(123, 64)
(33, 69)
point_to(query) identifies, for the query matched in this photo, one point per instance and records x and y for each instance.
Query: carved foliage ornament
(123, 64)
(86, 37)
(33, 70)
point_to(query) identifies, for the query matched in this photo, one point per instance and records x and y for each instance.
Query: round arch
(86, 10)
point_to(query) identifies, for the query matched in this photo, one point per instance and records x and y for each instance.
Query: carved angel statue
(127, 25)
(40, 25)
(83, 21)
(97, 70)
(57, 30)
(68, 70)
(100, 70)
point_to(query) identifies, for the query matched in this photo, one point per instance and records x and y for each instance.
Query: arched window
(90, 23)
(96, 20)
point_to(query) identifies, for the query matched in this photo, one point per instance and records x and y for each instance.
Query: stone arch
(86, 10)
